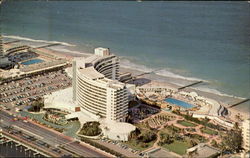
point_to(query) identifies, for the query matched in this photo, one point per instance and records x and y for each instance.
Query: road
(52, 138)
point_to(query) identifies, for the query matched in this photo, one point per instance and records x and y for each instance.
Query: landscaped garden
(141, 138)
(69, 129)
(177, 140)
(55, 117)
(186, 123)
(90, 129)
(208, 131)
(178, 147)
(159, 120)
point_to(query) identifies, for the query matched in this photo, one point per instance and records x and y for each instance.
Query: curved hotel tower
(96, 88)
(1, 46)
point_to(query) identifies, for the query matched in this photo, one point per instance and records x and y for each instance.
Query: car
(56, 150)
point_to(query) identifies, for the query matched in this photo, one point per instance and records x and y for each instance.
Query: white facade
(1, 46)
(246, 134)
(102, 51)
(96, 88)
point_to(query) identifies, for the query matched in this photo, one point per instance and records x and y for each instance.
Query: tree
(134, 134)
(147, 137)
(165, 139)
(192, 143)
(214, 143)
(236, 126)
(91, 129)
(232, 141)
(36, 106)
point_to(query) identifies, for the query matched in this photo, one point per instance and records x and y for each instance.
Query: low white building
(116, 130)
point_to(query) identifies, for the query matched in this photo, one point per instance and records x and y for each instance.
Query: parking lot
(119, 147)
(27, 90)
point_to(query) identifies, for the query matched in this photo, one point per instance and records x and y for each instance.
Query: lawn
(132, 144)
(178, 147)
(209, 131)
(186, 123)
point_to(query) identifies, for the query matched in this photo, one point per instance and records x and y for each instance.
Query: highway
(50, 137)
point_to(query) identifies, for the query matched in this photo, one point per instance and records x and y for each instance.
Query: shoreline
(157, 79)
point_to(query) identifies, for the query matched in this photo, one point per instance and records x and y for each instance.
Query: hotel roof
(91, 73)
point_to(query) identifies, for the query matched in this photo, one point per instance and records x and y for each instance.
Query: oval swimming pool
(179, 103)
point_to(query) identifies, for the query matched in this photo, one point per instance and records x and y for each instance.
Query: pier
(48, 45)
(146, 73)
(12, 42)
(189, 85)
(243, 101)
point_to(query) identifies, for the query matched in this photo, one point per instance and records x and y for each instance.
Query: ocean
(187, 41)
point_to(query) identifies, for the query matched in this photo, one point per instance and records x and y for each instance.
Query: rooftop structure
(203, 150)
(116, 130)
(96, 88)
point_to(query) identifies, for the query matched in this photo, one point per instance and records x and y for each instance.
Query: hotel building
(1, 46)
(246, 134)
(96, 88)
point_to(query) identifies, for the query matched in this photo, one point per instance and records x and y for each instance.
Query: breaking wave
(35, 40)
(162, 72)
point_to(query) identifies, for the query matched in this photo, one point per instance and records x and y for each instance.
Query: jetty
(145, 73)
(48, 45)
(189, 85)
(243, 101)
(12, 42)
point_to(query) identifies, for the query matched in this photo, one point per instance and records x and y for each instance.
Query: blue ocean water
(193, 40)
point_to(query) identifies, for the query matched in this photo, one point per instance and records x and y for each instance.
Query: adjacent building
(4, 61)
(1, 46)
(246, 134)
(96, 86)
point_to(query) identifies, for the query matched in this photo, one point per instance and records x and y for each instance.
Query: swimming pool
(179, 103)
(32, 61)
